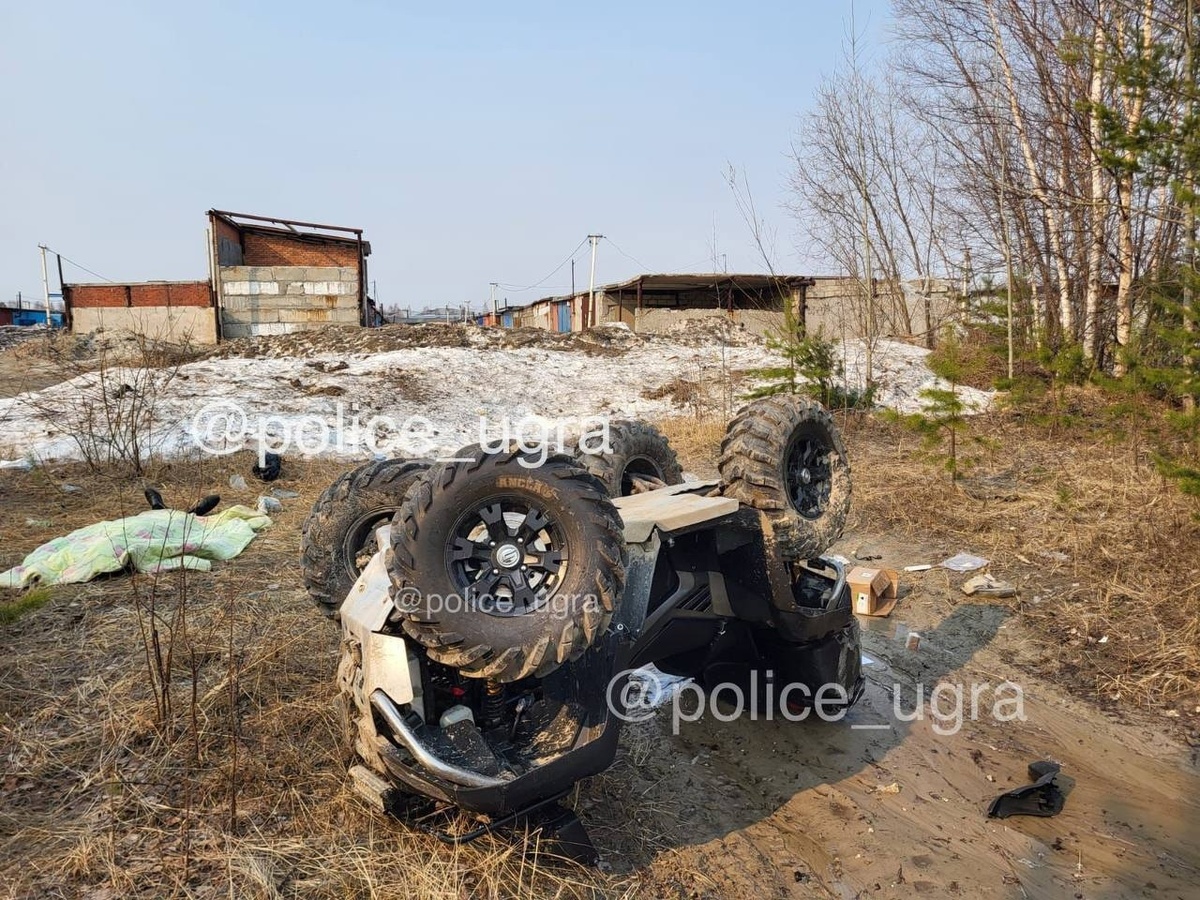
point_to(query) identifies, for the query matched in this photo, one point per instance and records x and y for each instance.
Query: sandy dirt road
(782, 809)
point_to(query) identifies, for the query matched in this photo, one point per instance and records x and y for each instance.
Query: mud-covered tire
(505, 571)
(783, 455)
(353, 708)
(636, 448)
(342, 523)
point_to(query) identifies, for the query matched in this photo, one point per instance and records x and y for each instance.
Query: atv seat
(671, 509)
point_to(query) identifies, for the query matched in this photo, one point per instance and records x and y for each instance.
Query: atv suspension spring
(493, 704)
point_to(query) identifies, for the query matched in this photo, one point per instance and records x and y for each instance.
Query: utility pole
(594, 239)
(45, 284)
(495, 312)
(714, 242)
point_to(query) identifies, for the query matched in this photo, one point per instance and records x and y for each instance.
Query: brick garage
(174, 311)
(269, 276)
(275, 276)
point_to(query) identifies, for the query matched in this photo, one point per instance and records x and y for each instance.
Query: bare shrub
(109, 402)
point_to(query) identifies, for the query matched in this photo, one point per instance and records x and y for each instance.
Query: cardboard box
(873, 591)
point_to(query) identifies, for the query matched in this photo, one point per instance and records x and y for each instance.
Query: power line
(636, 262)
(78, 266)
(518, 289)
(689, 266)
(545, 287)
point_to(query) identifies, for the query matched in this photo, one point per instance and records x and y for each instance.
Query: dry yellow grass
(696, 441)
(1105, 551)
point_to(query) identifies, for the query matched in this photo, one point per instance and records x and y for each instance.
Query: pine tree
(1167, 363)
(810, 364)
(944, 415)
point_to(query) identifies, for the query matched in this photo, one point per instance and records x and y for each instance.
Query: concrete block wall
(755, 321)
(624, 311)
(836, 307)
(259, 300)
(174, 311)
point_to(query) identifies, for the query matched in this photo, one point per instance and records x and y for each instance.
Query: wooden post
(67, 317)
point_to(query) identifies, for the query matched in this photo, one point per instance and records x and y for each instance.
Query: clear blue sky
(474, 142)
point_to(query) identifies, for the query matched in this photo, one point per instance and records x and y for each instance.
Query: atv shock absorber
(493, 704)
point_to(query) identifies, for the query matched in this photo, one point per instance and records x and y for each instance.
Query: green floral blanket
(154, 541)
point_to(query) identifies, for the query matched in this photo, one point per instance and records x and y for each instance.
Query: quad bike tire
(783, 456)
(639, 457)
(504, 571)
(354, 708)
(340, 528)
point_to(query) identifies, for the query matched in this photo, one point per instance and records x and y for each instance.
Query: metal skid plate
(386, 666)
(369, 602)
(671, 508)
(364, 611)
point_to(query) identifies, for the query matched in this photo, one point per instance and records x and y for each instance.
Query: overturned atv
(339, 536)
(488, 639)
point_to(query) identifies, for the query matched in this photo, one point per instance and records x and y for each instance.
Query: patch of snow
(901, 374)
(433, 395)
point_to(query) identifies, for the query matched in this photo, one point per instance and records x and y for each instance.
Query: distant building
(429, 315)
(266, 276)
(831, 304)
(275, 276)
(654, 302)
(28, 312)
(505, 316)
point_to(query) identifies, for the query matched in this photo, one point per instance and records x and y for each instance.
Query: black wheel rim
(639, 466)
(507, 555)
(808, 474)
(359, 544)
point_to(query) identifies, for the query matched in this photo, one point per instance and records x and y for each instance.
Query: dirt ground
(240, 791)
(846, 810)
(781, 809)
(22, 367)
